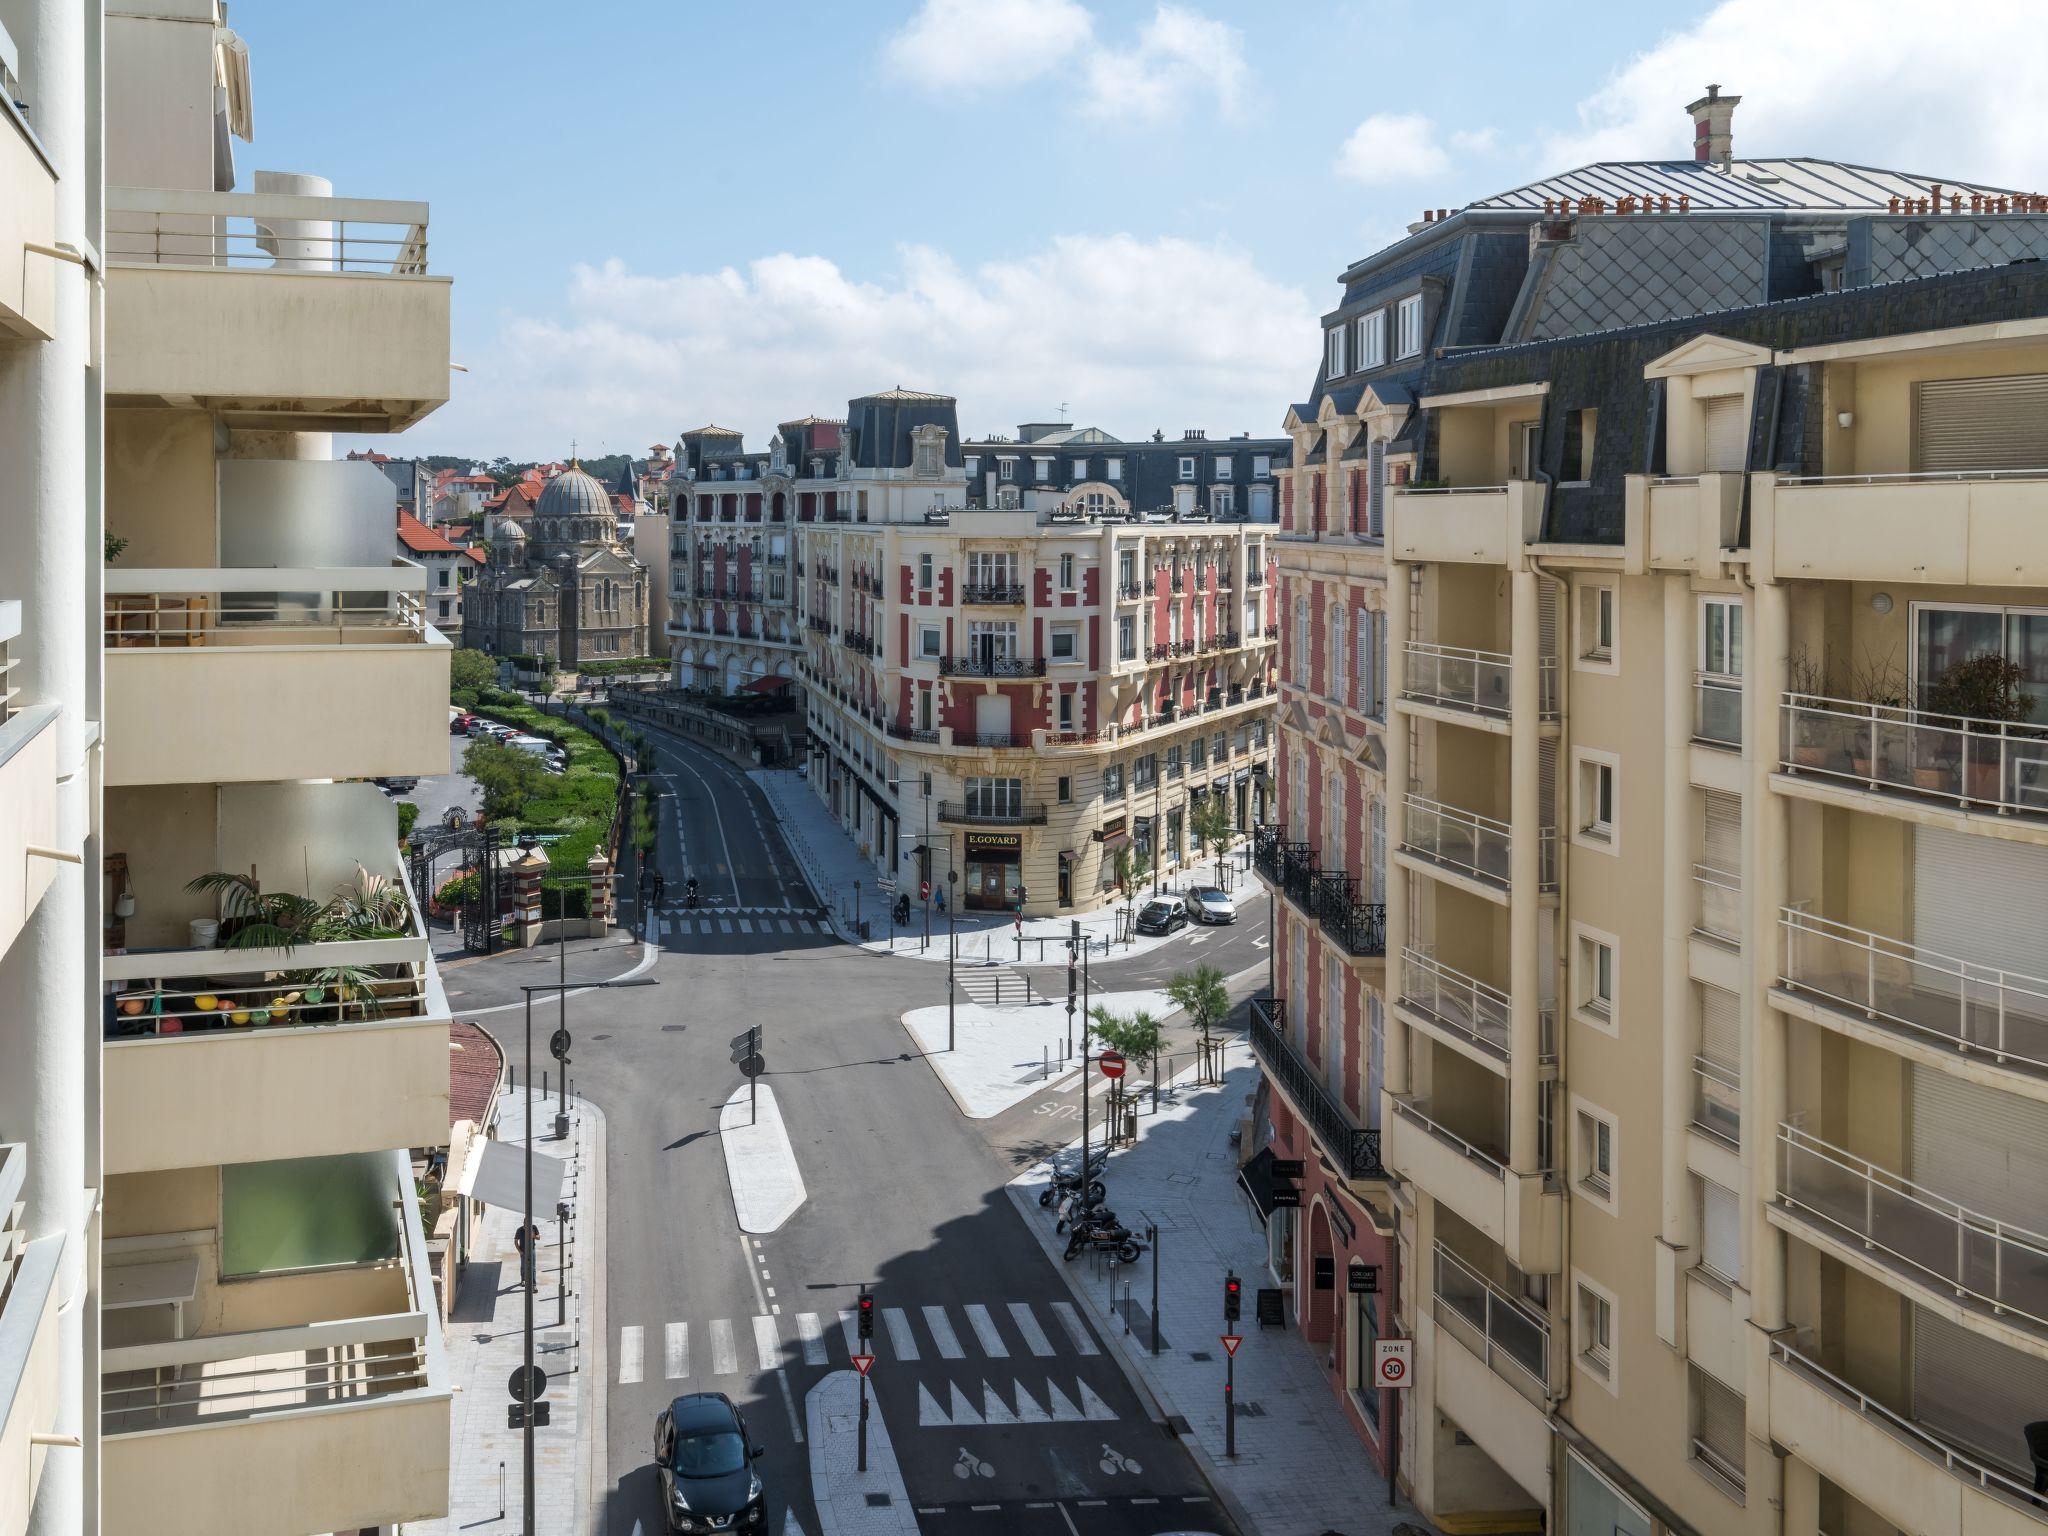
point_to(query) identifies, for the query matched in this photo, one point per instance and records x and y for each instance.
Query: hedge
(578, 803)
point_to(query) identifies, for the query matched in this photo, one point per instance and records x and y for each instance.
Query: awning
(1255, 1178)
(765, 685)
(1116, 839)
(495, 1173)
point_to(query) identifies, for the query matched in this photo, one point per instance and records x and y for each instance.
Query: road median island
(760, 1163)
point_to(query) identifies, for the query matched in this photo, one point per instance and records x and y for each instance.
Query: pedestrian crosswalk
(1051, 1405)
(939, 1334)
(702, 923)
(991, 985)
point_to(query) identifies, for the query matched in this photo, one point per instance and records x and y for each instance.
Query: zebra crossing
(714, 1348)
(989, 985)
(740, 920)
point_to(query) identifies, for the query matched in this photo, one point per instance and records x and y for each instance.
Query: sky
(1122, 213)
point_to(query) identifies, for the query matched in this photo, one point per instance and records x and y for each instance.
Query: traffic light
(867, 1317)
(1233, 1298)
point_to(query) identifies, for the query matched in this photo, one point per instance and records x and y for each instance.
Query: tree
(507, 776)
(1201, 995)
(471, 670)
(1136, 1036)
(1123, 868)
(1211, 824)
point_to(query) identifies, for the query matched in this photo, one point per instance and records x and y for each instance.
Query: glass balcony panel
(1982, 765)
(1459, 1004)
(1717, 710)
(1514, 1342)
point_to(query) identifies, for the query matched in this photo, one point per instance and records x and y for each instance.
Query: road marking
(1027, 1324)
(1094, 1407)
(984, 1326)
(716, 821)
(993, 1409)
(812, 1333)
(746, 926)
(962, 1413)
(929, 1414)
(1070, 1320)
(1063, 1409)
(851, 1328)
(901, 1338)
(1028, 1411)
(632, 1355)
(943, 1335)
(767, 1343)
(675, 1351)
(1071, 1527)
(725, 1360)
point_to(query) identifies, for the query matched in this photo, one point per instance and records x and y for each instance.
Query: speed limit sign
(1393, 1362)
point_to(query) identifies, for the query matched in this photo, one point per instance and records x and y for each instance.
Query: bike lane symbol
(971, 1465)
(1114, 1462)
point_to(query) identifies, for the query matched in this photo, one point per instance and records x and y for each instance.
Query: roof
(1788, 185)
(422, 540)
(711, 431)
(474, 1063)
(900, 393)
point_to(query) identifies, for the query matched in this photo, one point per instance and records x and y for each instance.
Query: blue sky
(661, 214)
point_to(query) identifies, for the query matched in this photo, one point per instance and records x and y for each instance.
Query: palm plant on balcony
(368, 907)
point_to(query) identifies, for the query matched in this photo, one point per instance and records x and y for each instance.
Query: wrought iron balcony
(1130, 591)
(1359, 927)
(1022, 814)
(992, 666)
(1354, 1148)
(1298, 873)
(912, 733)
(992, 594)
(1266, 852)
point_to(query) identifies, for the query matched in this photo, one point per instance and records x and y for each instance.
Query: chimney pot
(1713, 141)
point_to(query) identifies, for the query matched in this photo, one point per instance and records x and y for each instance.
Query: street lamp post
(952, 945)
(532, 1274)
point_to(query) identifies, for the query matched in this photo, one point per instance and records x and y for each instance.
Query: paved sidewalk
(486, 1342)
(1003, 1056)
(1300, 1469)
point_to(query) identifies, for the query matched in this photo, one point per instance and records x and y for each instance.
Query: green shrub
(408, 818)
(470, 670)
(463, 698)
(565, 899)
(457, 892)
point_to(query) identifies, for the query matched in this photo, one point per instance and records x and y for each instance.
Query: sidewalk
(1300, 1468)
(486, 1343)
(834, 866)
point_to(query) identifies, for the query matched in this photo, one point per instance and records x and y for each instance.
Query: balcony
(1467, 524)
(1451, 682)
(1473, 1017)
(1512, 1341)
(273, 310)
(1469, 847)
(331, 1423)
(992, 594)
(1717, 711)
(1986, 769)
(1131, 592)
(30, 1360)
(1028, 814)
(1472, 1180)
(1954, 1258)
(1961, 528)
(28, 788)
(236, 676)
(1691, 519)
(992, 666)
(28, 277)
(1496, 1340)
(1974, 1020)
(1359, 928)
(1355, 1149)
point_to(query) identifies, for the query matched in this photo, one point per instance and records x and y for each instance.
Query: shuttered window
(1985, 1149)
(1720, 1027)
(1979, 899)
(1376, 488)
(1727, 437)
(1720, 1230)
(1975, 1392)
(1721, 836)
(1970, 424)
(1717, 1439)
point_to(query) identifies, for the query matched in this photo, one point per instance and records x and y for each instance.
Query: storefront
(994, 878)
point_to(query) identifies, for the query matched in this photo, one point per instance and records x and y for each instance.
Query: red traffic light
(1233, 1290)
(867, 1317)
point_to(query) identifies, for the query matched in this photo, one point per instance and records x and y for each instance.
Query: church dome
(574, 494)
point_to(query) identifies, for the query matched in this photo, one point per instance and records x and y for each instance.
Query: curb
(598, 1335)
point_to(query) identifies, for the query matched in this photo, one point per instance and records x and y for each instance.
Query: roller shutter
(1720, 1027)
(1981, 1148)
(1979, 899)
(1717, 1425)
(1727, 436)
(1721, 1232)
(1721, 844)
(1975, 1392)
(1973, 424)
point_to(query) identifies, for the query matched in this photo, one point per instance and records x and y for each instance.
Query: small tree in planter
(1878, 683)
(1984, 691)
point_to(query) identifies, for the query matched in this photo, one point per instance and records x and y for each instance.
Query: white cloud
(1392, 146)
(1868, 81)
(1135, 334)
(958, 44)
(1178, 58)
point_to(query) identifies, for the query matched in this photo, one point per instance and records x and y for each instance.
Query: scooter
(1066, 1182)
(1111, 1236)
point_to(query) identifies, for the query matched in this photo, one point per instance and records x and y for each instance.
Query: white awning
(495, 1173)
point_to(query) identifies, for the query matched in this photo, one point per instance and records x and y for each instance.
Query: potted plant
(1816, 737)
(1984, 692)
(1879, 684)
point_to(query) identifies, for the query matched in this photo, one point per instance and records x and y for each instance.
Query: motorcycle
(1066, 1182)
(1110, 1236)
(690, 894)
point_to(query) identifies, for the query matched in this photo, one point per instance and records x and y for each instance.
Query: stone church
(562, 583)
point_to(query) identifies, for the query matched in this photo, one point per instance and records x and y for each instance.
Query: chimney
(1713, 138)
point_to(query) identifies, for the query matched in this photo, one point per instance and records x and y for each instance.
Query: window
(1006, 469)
(1298, 662)
(1595, 979)
(1372, 339)
(1262, 465)
(1721, 636)
(1718, 1439)
(1337, 653)
(1041, 470)
(973, 462)
(1065, 791)
(1066, 715)
(1145, 772)
(1113, 782)
(442, 576)
(1336, 335)
(1198, 752)
(1598, 818)
(1408, 326)
(1720, 1215)
(1222, 502)
(924, 573)
(1596, 627)
(1077, 471)
(1126, 638)
(995, 797)
(1594, 1138)
(1222, 466)
(1066, 573)
(1334, 1028)
(1113, 469)
(1187, 467)
(1576, 467)
(1596, 1331)
(929, 640)
(1065, 638)
(1365, 637)
(1127, 568)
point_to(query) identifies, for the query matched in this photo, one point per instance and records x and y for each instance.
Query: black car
(1161, 917)
(705, 1463)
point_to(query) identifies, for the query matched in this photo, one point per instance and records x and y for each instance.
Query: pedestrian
(660, 887)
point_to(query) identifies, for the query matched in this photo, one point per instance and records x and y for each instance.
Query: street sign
(753, 1066)
(528, 1384)
(1365, 1280)
(886, 886)
(1230, 1343)
(517, 1414)
(743, 1042)
(1286, 1194)
(558, 1045)
(1393, 1362)
(862, 1362)
(1289, 1167)
(924, 890)
(1112, 1064)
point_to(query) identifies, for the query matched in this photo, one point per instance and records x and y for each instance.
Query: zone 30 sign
(1393, 1362)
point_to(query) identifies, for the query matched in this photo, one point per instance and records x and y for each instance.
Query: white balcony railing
(1418, 1111)
(1479, 681)
(1929, 997)
(1513, 1341)
(316, 606)
(1719, 915)
(1917, 1232)
(1459, 1004)
(1985, 765)
(160, 226)
(1471, 844)
(1717, 710)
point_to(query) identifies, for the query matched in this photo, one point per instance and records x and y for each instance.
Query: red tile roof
(422, 540)
(474, 1062)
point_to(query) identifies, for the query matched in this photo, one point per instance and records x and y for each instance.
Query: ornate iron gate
(480, 919)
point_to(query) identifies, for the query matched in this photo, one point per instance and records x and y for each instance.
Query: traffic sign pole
(861, 1464)
(1230, 1396)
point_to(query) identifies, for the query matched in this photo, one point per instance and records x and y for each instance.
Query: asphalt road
(903, 1194)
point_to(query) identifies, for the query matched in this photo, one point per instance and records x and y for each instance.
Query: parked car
(705, 1463)
(1162, 917)
(460, 722)
(1210, 904)
(399, 784)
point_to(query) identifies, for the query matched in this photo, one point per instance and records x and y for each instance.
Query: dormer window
(929, 451)
(1336, 343)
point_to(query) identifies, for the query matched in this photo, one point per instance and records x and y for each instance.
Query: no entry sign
(1112, 1063)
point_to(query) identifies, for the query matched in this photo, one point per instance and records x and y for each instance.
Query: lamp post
(952, 945)
(526, 1215)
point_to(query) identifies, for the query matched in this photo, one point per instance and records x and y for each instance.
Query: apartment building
(1713, 772)
(272, 1355)
(1401, 741)
(1001, 700)
(449, 567)
(50, 558)
(1055, 463)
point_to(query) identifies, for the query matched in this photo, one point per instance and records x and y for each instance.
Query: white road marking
(1093, 1406)
(1063, 1409)
(929, 1414)
(746, 926)
(632, 1354)
(1070, 1320)
(961, 1412)
(993, 1409)
(901, 1338)
(812, 1332)
(1027, 1324)
(1028, 1411)
(767, 1343)
(849, 1326)
(943, 1335)
(984, 1327)
(789, 1525)
(675, 1351)
(725, 1359)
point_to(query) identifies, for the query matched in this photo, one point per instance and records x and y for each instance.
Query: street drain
(878, 1501)
(667, 1029)
(1200, 1354)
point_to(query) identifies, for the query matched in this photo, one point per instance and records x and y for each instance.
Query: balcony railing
(1129, 591)
(1717, 710)
(989, 594)
(1461, 841)
(1359, 928)
(1717, 1100)
(1026, 814)
(1354, 1148)
(1720, 903)
(1988, 765)
(1513, 1341)
(992, 666)
(1266, 852)
(207, 606)
(1480, 681)
(10, 641)
(1459, 1004)
(1917, 1232)
(913, 733)
(1298, 872)
(1928, 997)
(993, 740)
(157, 226)
(1417, 1111)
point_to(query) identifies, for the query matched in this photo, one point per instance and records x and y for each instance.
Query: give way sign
(1393, 1362)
